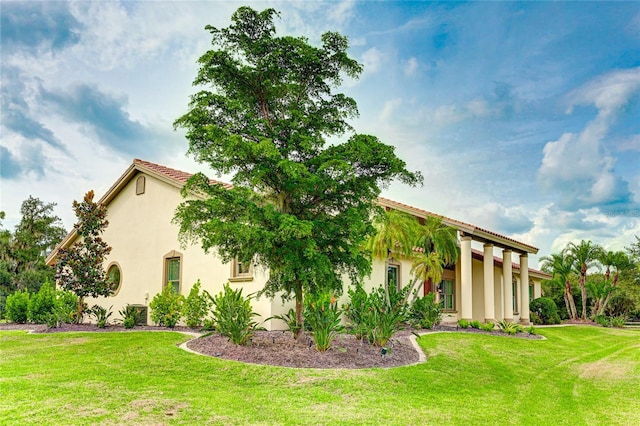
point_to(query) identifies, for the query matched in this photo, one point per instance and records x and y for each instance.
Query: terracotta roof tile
(174, 174)
(477, 254)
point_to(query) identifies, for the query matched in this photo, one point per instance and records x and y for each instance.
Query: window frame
(237, 275)
(514, 295)
(397, 267)
(167, 258)
(109, 267)
(141, 184)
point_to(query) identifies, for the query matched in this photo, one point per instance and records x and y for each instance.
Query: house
(146, 255)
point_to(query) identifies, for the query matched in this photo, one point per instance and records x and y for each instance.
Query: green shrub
(463, 323)
(508, 327)
(546, 310)
(166, 307)
(322, 314)
(195, 307)
(603, 320)
(487, 326)
(66, 310)
(618, 321)
(535, 318)
(42, 304)
(17, 307)
(289, 319)
(101, 315)
(130, 316)
(531, 329)
(372, 318)
(475, 324)
(233, 315)
(425, 312)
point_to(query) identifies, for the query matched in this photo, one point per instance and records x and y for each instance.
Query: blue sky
(524, 118)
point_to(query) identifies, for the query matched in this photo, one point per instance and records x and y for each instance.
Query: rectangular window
(448, 295)
(241, 271)
(514, 289)
(173, 273)
(393, 276)
(530, 293)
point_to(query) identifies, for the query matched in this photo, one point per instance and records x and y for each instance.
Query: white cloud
(411, 67)
(578, 165)
(630, 144)
(497, 217)
(372, 60)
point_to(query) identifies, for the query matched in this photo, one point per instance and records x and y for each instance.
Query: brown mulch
(281, 349)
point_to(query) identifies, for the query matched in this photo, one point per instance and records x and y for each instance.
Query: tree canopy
(299, 206)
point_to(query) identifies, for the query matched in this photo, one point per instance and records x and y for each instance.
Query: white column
(489, 290)
(466, 276)
(524, 289)
(507, 278)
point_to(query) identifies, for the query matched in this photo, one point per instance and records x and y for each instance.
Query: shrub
(603, 320)
(546, 310)
(101, 315)
(508, 327)
(322, 314)
(487, 326)
(531, 329)
(17, 307)
(233, 315)
(130, 316)
(463, 323)
(618, 321)
(42, 304)
(195, 307)
(425, 312)
(289, 319)
(475, 324)
(372, 318)
(166, 307)
(66, 310)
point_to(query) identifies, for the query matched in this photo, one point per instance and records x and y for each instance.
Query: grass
(578, 376)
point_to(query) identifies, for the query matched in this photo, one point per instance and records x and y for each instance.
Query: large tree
(79, 267)
(618, 262)
(299, 206)
(584, 255)
(560, 266)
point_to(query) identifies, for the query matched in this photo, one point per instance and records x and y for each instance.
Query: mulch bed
(281, 349)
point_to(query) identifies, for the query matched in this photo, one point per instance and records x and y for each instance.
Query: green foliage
(17, 307)
(463, 323)
(79, 266)
(531, 329)
(618, 321)
(509, 327)
(474, 324)
(425, 312)
(166, 307)
(545, 310)
(101, 315)
(602, 320)
(299, 206)
(322, 314)
(42, 304)
(233, 315)
(195, 307)
(487, 326)
(289, 319)
(66, 308)
(129, 316)
(372, 318)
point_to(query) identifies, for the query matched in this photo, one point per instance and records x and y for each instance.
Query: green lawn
(579, 375)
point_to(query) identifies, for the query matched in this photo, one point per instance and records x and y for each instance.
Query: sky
(524, 118)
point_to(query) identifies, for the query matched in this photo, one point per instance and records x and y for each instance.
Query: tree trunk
(583, 290)
(79, 310)
(573, 312)
(386, 281)
(299, 306)
(606, 299)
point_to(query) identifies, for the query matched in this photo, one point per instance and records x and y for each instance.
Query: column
(489, 291)
(507, 278)
(466, 276)
(524, 289)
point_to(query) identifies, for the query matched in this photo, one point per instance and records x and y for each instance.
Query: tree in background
(617, 261)
(79, 267)
(560, 266)
(584, 255)
(299, 206)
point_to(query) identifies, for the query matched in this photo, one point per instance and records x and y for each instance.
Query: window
(172, 270)
(514, 289)
(241, 271)
(530, 291)
(140, 183)
(393, 276)
(448, 295)
(115, 278)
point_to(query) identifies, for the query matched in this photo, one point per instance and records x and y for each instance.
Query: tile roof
(173, 174)
(477, 254)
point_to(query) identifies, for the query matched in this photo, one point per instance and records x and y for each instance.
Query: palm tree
(395, 233)
(584, 254)
(438, 247)
(619, 261)
(560, 266)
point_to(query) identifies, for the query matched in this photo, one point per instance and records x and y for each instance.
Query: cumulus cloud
(411, 67)
(33, 26)
(372, 60)
(577, 165)
(104, 114)
(495, 216)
